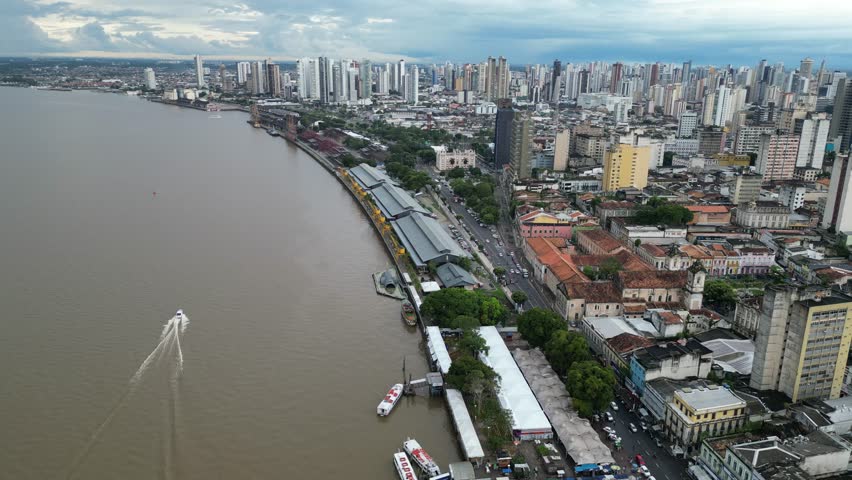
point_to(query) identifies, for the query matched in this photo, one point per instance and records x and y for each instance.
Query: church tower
(695, 286)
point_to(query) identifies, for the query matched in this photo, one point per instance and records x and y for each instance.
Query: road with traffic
(662, 465)
(498, 244)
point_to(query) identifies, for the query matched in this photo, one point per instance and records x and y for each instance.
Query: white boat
(179, 313)
(387, 403)
(403, 467)
(421, 458)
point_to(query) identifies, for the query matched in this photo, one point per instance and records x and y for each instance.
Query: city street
(659, 461)
(484, 236)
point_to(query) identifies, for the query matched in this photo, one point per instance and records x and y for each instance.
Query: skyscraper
(150, 79)
(615, 79)
(337, 76)
(802, 342)
(721, 114)
(555, 82)
(841, 119)
(366, 78)
(273, 79)
(324, 75)
(222, 75)
(503, 132)
(520, 152)
(560, 150)
(243, 71)
(813, 134)
(258, 78)
(308, 82)
(412, 85)
(199, 71)
(806, 68)
(685, 72)
(838, 203)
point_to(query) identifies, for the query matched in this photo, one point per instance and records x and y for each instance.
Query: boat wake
(169, 341)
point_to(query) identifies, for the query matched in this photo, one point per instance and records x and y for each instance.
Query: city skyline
(652, 30)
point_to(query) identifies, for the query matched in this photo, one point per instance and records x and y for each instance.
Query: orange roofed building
(598, 242)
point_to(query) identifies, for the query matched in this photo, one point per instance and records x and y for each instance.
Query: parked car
(612, 436)
(659, 443)
(633, 428)
(608, 429)
(609, 417)
(614, 406)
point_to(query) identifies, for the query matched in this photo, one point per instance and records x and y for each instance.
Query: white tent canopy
(528, 420)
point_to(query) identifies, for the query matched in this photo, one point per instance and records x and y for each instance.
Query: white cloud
(721, 31)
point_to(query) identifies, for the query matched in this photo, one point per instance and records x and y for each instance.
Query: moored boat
(403, 467)
(408, 313)
(387, 403)
(421, 458)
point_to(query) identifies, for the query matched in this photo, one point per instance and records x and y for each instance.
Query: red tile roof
(597, 292)
(602, 239)
(654, 250)
(653, 279)
(628, 342)
(671, 318)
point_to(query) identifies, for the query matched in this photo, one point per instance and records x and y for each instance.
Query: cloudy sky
(525, 31)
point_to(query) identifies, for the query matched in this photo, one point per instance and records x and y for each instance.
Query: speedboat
(179, 313)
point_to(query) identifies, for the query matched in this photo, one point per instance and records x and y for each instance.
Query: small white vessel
(421, 458)
(387, 403)
(179, 314)
(403, 467)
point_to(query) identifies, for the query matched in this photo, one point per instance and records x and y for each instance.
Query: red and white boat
(387, 403)
(403, 467)
(421, 458)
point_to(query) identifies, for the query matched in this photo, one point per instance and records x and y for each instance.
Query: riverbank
(342, 176)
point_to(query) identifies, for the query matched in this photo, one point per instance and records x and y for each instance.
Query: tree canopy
(519, 297)
(720, 294)
(663, 214)
(537, 325)
(461, 368)
(479, 196)
(472, 343)
(591, 387)
(564, 349)
(444, 308)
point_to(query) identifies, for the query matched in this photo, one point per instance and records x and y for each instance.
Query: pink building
(540, 224)
(776, 157)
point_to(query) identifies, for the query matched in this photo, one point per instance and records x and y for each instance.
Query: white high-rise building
(309, 79)
(687, 125)
(243, 71)
(199, 71)
(353, 84)
(412, 85)
(814, 134)
(721, 113)
(150, 79)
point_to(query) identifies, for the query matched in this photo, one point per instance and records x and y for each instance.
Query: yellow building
(626, 166)
(732, 160)
(695, 414)
(802, 342)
